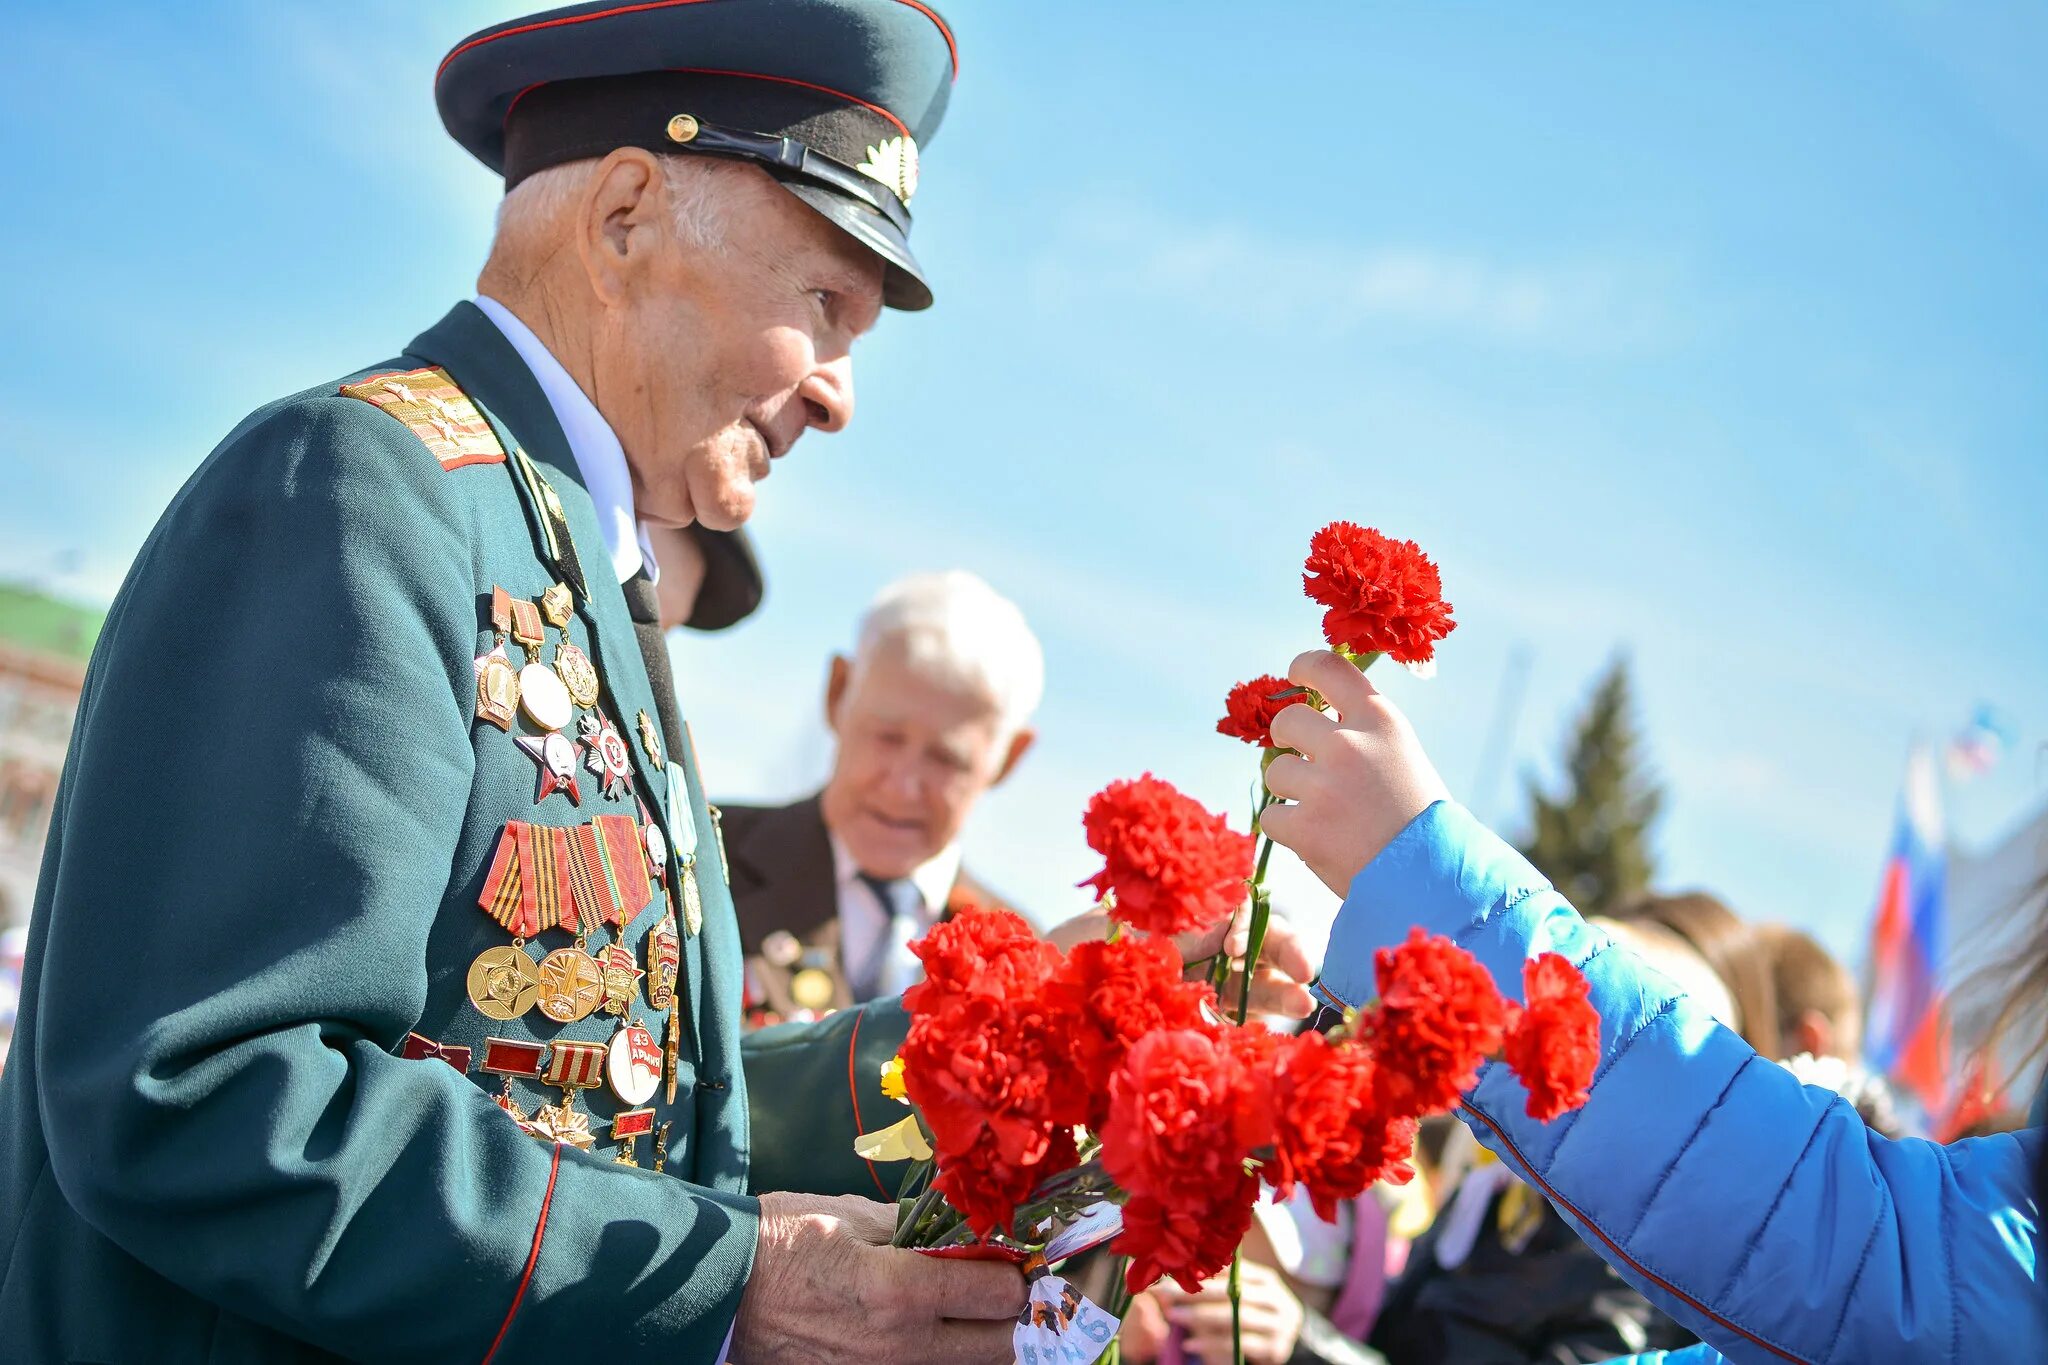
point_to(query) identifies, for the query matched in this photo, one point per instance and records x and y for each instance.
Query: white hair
(533, 209)
(958, 631)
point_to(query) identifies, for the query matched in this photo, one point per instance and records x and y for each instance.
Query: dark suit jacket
(783, 878)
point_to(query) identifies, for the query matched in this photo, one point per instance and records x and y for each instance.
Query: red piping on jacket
(532, 1258)
(853, 1092)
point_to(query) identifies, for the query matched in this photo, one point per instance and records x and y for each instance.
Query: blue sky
(1712, 333)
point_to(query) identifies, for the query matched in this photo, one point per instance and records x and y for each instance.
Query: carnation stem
(906, 1231)
(1262, 908)
(1237, 1307)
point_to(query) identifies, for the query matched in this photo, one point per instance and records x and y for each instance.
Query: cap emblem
(894, 164)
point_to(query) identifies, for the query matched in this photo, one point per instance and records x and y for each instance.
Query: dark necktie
(900, 902)
(644, 607)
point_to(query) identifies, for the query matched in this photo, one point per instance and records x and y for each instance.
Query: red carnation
(1383, 595)
(1113, 994)
(1330, 1133)
(1249, 708)
(1191, 1240)
(1180, 1117)
(994, 1083)
(1174, 866)
(1553, 1045)
(992, 953)
(1437, 1019)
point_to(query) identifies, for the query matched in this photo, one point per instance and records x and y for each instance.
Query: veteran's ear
(621, 226)
(836, 683)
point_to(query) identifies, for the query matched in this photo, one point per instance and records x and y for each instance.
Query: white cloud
(1273, 280)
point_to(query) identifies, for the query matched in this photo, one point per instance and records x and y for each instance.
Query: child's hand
(1357, 777)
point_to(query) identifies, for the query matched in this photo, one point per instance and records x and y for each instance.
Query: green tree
(1593, 838)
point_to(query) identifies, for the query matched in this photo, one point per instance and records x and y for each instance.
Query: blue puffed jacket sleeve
(1691, 1355)
(1761, 1213)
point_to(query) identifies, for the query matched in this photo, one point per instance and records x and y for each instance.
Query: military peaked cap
(834, 98)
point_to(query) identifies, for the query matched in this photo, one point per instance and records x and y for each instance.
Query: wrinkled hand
(827, 1288)
(1356, 778)
(1271, 1316)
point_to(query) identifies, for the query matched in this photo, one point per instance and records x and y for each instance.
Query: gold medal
(543, 697)
(578, 674)
(664, 956)
(571, 985)
(621, 976)
(557, 605)
(651, 742)
(811, 988)
(497, 688)
(503, 983)
(693, 901)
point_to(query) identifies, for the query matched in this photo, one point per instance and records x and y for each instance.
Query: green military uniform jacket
(262, 875)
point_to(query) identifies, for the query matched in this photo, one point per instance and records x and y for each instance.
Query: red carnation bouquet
(1102, 1087)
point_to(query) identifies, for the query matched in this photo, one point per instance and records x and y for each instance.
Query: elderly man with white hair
(932, 710)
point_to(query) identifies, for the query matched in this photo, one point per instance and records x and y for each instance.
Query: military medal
(661, 1146)
(497, 688)
(686, 850)
(419, 1047)
(555, 754)
(558, 605)
(510, 1057)
(651, 742)
(621, 977)
(672, 1048)
(578, 674)
(812, 988)
(572, 1066)
(633, 1064)
(664, 957)
(606, 754)
(657, 848)
(571, 985)
(503, 982)
(628, 1126)
(541, 694)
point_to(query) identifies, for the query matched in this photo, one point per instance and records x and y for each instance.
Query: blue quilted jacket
(1759, 1212)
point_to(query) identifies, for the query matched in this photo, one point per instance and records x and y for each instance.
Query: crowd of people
(1467, 1263)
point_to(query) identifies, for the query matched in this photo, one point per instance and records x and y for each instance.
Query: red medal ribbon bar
(632, 1123)
(595, 905)
(419, 1048)
(501, 897)
(513, 1057)
(628, 858)
(526, 626)
(501, 610)
(576, 1066)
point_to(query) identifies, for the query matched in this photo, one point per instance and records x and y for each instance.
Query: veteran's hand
(827, 1288)
(1278, 986)
(1271, 1314)
(1357, 777)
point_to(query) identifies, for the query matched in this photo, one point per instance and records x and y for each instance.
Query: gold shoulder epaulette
(439, 413)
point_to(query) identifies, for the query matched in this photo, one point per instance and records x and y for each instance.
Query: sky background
(1712, 334)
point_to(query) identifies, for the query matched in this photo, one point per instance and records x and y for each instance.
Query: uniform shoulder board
(439, 413)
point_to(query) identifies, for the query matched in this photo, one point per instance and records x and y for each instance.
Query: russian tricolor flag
(1907, 1032)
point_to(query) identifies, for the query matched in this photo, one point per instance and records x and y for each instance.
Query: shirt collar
(600, 459)
(933, 880)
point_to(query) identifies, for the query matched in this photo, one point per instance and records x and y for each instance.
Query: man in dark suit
(931, 711)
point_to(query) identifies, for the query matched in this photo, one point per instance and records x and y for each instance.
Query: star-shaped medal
(563, 1123)
(606, 755)
(555, 754)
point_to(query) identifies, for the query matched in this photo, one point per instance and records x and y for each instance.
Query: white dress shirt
(600, 459)
(866, 926)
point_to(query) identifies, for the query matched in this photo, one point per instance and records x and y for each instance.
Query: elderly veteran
(931, 711)
(383, 991)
